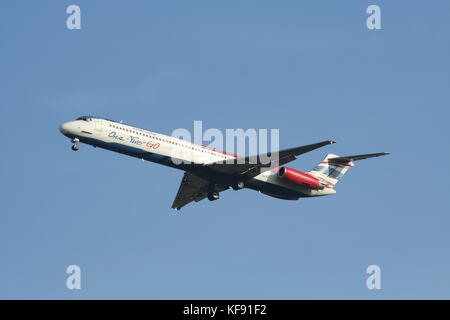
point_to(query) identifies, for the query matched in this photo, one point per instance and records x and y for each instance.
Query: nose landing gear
(75, 144)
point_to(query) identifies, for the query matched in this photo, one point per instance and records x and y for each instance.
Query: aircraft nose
(65, 128)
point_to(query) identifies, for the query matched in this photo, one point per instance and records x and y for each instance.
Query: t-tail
(333, 167)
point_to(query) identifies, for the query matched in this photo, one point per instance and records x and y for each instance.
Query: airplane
(209, 171)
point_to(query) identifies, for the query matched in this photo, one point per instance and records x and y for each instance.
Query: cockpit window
(85, 118)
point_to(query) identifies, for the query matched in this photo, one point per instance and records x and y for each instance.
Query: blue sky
(311, 69)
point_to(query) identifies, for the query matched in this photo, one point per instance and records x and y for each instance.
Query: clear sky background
(309, 68)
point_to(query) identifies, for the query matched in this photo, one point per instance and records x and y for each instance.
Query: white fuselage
(168, 150)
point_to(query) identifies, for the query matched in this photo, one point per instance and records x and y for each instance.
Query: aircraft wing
(250, 167)
(193, 188)
(196, 188)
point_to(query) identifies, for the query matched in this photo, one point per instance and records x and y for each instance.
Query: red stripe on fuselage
(218, 151)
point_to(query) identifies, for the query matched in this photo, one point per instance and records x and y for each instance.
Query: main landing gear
(238, 184)
(75, 144)
(213, 196)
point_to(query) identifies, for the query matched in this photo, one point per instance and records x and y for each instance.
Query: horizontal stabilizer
(347, 159)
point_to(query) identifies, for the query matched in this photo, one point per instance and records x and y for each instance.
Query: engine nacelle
(303, 179)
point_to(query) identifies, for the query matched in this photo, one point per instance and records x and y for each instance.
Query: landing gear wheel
(75, 144)
(213, 196)
(238, 185)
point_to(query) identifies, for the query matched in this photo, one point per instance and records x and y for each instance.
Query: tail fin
(333, 167)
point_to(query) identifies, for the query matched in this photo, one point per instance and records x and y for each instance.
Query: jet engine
(303, 179)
